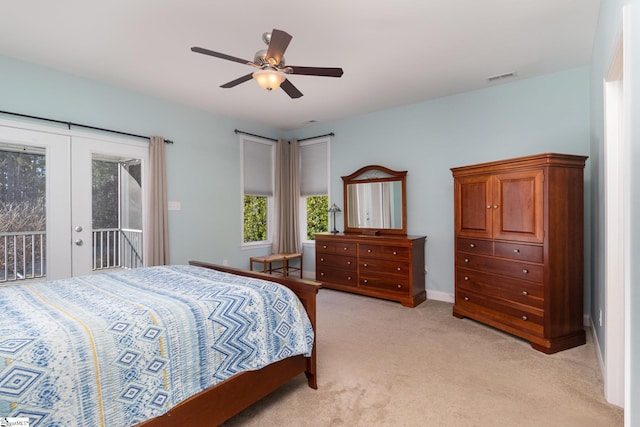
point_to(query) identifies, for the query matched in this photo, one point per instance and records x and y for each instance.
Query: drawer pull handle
(348, 262)
(466, 260)
(516, 251)
(525, 318)
(525, 271)
(399, 286)
(322, 274)
(366, 265)
(466, 277)
(525, 293)
(398, 268)
(472, 245)
(324, 246)
(365, 281)
(348, 277)
(466, 298)
(495, 206)
(346, 249)
(395, 253)
(369, 250)
(321, 259)
(488, 206)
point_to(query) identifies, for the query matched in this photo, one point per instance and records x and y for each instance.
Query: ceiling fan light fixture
(269, 79)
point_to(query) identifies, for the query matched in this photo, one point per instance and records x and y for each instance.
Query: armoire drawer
(341, 277)
(520, 291)
(337, 261)
(530, 253)
(336, 248)
(383, 251)
(383, 266)
(502, 267)
(515, 315)
(387, 283)
(476, 246)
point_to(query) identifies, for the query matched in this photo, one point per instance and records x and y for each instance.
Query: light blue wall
(202, 165)
(608, 32)
(544, 114)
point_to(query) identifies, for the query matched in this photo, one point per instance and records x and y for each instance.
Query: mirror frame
(367, 174)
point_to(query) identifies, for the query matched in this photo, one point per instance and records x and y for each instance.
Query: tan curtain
(158, 215)
(286, 238)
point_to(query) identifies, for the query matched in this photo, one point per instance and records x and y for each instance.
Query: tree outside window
(317, 215)
(255, 219)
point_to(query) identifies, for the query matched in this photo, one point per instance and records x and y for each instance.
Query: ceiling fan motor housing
(260, 59)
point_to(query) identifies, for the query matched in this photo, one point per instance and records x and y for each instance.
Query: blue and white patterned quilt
(118, 348)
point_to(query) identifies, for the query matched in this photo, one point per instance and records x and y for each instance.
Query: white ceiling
(392, 52)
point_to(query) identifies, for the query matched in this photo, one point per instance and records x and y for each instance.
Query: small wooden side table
(268, 260)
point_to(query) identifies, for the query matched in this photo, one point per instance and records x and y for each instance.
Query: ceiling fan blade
(220, 55)
(278, 44)
(316, 71)
(237, 81)
(290, 89)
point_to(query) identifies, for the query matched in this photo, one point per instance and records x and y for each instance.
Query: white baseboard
(440, 296)
(591, 328)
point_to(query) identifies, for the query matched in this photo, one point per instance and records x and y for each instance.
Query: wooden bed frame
(217, 404)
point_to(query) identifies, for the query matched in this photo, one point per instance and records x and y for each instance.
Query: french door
(92, 199)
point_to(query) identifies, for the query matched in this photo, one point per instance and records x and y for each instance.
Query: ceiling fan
(272, 71)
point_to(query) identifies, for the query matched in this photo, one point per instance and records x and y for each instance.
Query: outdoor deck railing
(23, 254)
(117, 248)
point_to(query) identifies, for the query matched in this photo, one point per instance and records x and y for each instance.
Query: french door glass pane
(22, 212)
(117, 213)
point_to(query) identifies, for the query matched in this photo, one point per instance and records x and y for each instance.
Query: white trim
(592, 330)
(440, 296)
(616, 193)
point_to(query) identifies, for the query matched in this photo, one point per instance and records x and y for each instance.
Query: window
(314, 185)
(257, 189)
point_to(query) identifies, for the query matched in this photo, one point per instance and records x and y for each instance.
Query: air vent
(497, 77)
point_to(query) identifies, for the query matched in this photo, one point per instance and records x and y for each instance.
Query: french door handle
(78, 242)
(78, 228)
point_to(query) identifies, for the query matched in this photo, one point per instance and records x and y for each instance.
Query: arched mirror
(375, 201)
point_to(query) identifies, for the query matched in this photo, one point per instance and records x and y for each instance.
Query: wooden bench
(267, 263)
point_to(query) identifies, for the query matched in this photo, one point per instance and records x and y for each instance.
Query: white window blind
(314, 168)
(257, 167)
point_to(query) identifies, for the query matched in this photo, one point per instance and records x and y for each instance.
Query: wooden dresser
(389, 267)
(519, 247)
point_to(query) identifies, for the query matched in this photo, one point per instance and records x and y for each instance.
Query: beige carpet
(381, 364)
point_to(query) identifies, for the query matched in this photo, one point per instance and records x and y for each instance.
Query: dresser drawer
(381, 251)
(341, 277)
(502, 267)
(520, 291)
(518, 316)
(530, 253)
(387, 283)
(336, 248)
(483, 247)
(383, 266)
(341, 262)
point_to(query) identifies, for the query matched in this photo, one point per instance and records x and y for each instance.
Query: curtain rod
(271, 139)
(69, 124)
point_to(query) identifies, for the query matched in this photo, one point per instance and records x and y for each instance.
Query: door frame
(617, 216)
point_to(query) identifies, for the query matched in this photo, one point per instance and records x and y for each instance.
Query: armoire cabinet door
(473, 207)
(518, 206)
